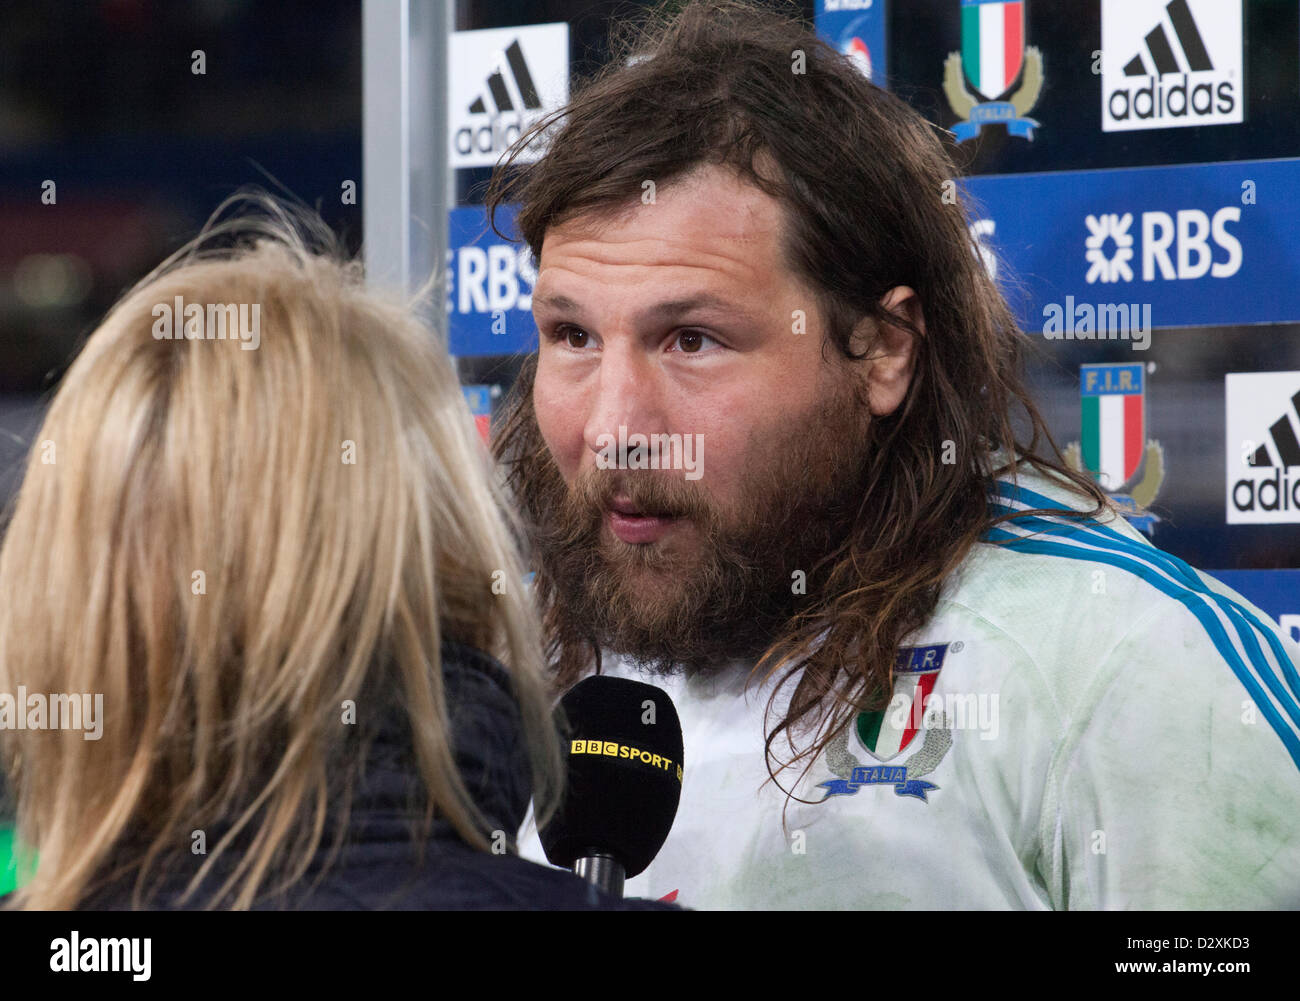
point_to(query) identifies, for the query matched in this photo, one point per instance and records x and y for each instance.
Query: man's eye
(694, 342)
(573, 337)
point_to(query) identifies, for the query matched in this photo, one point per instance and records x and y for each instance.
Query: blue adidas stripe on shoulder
(1083, 538)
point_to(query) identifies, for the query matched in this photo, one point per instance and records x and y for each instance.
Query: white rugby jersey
(1100, 726)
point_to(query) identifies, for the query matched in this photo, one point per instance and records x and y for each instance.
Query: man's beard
(730, 588)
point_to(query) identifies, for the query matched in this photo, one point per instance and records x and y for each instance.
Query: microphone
(624, 780)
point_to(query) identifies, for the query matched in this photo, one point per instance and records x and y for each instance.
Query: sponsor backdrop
(1133, 171)
(500, 80)
(1132, 175)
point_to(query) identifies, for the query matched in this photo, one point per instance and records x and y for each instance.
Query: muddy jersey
(1084, 722)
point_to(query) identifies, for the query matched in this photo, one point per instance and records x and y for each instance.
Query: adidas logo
(496, 85)
(1285, 444)
(1162, 53)
(1158, 70)
(496, 135)
(502, 80)
(1263, 481)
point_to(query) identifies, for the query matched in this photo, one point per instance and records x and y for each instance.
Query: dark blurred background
(101, 98)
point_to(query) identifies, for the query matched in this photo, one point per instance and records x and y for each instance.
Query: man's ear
(889, 366)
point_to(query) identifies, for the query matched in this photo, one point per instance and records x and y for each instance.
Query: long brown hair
(194, 541)
(862, 179)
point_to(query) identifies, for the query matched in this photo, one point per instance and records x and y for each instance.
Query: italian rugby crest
(886, 734)
(979, 81)
(1114, 447)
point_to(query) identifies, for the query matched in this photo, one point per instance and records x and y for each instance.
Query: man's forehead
(712, 236)
(707, 208)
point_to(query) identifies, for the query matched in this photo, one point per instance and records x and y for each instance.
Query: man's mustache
(597, 491)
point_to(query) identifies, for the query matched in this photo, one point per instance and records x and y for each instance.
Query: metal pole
(405, 183)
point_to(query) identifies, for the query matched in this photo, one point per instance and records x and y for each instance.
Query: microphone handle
(603, 871)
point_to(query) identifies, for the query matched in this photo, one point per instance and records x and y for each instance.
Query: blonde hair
(191, 542)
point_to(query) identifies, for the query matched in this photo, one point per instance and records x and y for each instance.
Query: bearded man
(919, 662)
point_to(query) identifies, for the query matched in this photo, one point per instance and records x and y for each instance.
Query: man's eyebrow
(669, 310)
(559, 302)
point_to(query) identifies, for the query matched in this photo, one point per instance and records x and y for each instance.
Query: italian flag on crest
(880, 732)
(992, 44)
(1112, 399)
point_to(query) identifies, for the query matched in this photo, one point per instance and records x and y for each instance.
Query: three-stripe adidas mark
(1162, 53)
(1285, 442)
(496, 84)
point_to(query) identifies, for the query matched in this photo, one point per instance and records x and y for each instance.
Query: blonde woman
(258, 545)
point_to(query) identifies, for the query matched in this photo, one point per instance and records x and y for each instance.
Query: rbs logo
(1182, 247)
(1190, 236)
(490, 279)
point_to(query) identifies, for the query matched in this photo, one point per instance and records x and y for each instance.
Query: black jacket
(377, 868)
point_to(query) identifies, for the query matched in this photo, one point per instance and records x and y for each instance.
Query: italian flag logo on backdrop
(1113, 400)
(992, 45)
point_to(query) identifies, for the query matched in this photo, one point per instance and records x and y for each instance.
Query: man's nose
(628, 394)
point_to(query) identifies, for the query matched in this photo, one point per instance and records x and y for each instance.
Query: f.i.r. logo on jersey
(1114, 449)
(886, 733)
(980, 80)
